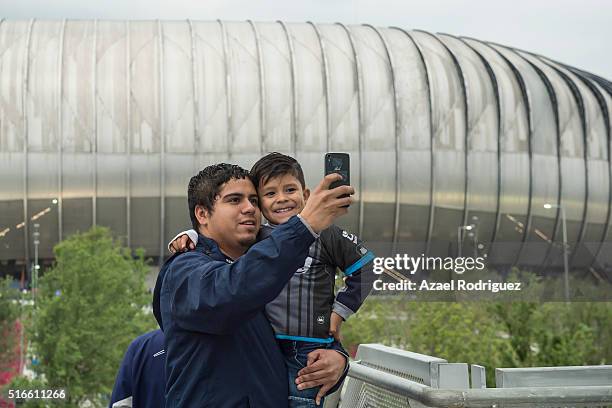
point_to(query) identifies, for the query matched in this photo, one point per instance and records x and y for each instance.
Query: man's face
(282, 197)
(235, 219)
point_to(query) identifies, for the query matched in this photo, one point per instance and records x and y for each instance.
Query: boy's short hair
(205, 186)
(274, 165)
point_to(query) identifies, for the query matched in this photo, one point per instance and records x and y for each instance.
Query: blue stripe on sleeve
(359, 264)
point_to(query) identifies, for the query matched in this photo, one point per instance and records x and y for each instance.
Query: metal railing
(386, 377)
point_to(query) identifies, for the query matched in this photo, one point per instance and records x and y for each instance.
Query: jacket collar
(210, 247)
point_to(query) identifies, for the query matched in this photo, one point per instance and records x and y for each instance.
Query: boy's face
(282, 197)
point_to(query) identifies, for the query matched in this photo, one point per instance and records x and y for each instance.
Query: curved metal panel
(568, 128)
(541, 70)
(294, 104)
(243, 71)
(77, 111)
(396, 131)
(60, 151)
(572, 151)
(524, 228)
(482, 141)
(277, 87)
(325, 82)
(178, 100)
(14, 46)
(343, 102)
(514, 160)
(210, 74)
(603, 257)
(605, 122)
(310, 113)
(162, 142)
(378, 143)
(544, 162)
(26, 79)
(179, 122)
(361, 127)
(597, 171)
(260, 70)
(94, 151)
(145, 88)
(145, 135)
(13, 49)
(43, 130)
(228, 87)
(415, 135)
(77, 124)
(448, 120)
(112, 112)
(497, 132)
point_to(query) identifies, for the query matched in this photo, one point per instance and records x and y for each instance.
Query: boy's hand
(324, 205)
(182, 244)
(334, 325)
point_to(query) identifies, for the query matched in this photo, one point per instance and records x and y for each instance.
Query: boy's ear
(306, 194)
(201, 214)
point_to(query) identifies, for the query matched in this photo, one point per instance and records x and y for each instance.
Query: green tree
(91, 304)
(9, 311)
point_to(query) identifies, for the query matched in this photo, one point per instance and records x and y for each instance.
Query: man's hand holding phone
(325, 205)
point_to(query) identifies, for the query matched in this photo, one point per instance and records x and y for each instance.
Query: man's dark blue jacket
(141, 375)
(220, 348)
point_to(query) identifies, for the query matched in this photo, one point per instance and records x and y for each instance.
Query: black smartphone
(339, 163)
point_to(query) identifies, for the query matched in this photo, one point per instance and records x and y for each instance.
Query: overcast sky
(573, 32)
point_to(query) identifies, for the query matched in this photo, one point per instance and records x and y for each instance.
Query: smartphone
(339, 163)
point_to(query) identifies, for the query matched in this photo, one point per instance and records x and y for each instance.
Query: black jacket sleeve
(348, 253)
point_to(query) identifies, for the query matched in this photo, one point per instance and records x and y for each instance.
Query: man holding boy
(220, 347)
(306, 315)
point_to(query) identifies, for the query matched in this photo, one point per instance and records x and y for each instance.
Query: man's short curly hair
(205, 186)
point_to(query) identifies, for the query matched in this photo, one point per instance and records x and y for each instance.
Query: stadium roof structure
(103, 122)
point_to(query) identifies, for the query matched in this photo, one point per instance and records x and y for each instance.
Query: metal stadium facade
(103, 122)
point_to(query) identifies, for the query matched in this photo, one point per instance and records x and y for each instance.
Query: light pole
(475, 235)
(459, 237)
(36, 236)
(548, 206)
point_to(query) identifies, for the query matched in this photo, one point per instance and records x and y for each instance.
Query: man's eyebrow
(232, 195)
(238, 195)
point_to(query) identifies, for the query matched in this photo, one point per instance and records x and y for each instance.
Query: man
(141, 381)
(220, 348)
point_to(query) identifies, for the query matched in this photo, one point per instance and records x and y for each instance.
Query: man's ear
(306, 194)
(201, 214)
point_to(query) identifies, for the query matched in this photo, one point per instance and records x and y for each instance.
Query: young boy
(306, 315)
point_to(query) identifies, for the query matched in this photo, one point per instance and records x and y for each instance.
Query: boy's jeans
(296, 357)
